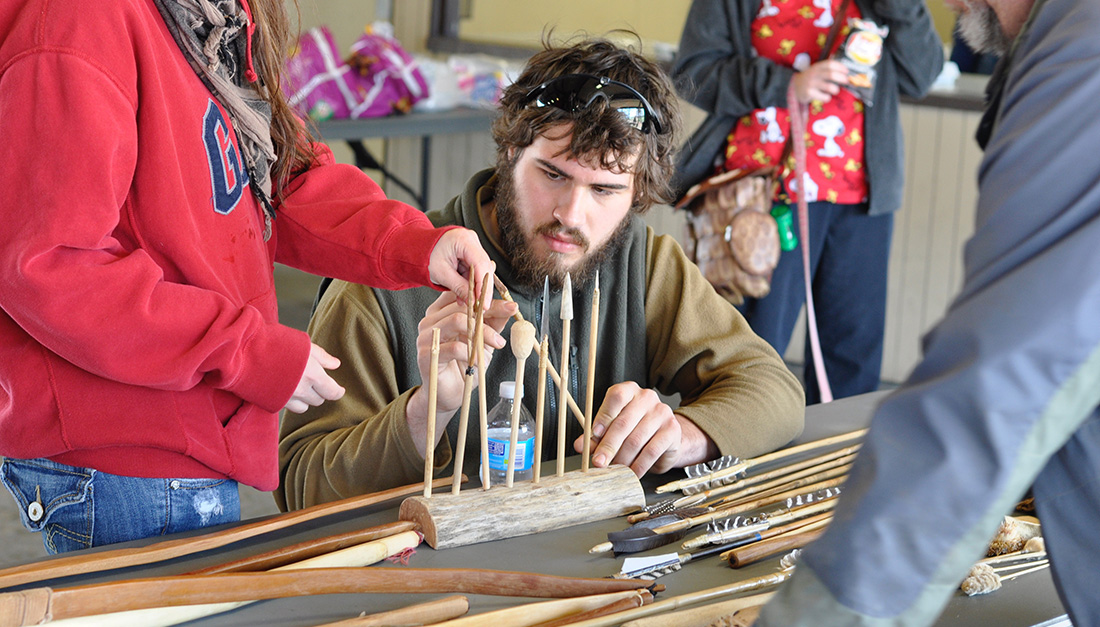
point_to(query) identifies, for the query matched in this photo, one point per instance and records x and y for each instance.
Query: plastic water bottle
(500, 433)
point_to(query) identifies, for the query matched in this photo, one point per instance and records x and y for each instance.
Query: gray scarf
(213, 35)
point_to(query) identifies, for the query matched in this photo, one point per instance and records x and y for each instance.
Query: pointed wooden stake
(540, 400)
(483, 410)
(433, 385)
(566, 316)
(593, 332)
(467, 387)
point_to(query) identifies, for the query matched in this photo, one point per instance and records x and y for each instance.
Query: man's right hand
(448, 314)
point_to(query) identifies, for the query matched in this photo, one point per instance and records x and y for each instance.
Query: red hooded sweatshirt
(138, 320)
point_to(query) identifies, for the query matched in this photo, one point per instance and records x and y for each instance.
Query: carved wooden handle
(751, 553)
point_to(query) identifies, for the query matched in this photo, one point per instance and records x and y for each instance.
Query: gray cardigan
(718, 70)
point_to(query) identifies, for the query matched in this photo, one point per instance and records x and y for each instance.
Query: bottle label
(498, 454)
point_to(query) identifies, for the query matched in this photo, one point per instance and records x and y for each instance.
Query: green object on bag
(785, 221)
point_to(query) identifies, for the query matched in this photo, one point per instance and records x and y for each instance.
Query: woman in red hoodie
(152, 175)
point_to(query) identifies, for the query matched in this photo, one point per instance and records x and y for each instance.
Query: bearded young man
(1008, 392)
(585, 145)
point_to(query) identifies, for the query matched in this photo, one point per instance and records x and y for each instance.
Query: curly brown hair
(599, 132)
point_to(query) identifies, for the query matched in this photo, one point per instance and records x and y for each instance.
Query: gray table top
(458, 120)
(1031, 601)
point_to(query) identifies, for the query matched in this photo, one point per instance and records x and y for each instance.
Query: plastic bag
(482, 79)
(387, 79)
(377, 79)
(861, 53)
(315, 80)
(443, 91)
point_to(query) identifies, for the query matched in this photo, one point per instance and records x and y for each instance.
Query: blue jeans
(849, 253)
(78, 508)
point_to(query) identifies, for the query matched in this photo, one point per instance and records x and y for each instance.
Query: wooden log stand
(473, 516)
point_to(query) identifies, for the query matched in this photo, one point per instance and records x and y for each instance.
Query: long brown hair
(273, 38)
(598, 132)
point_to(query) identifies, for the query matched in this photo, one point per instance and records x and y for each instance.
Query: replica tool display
(657, 609)
(544, 363)
(566, 310)
(428, 613)
(591, 387)
(661, 530)
(736, 613)
(1017, 548)
(483, 405)
(528, 507)
(566, 316)
(636, 538)
(983, 578)
(791, 476)
(307, 550)
(728, 469)
(796, 508)
(522, 341)
(433, 386)
(160, 602)
(753, 552)
(467, 387)
(39, 605)
(82, 563)
(659, 565)
(558, 611)
(806, 489)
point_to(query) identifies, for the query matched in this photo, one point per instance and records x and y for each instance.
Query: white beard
(981, 29)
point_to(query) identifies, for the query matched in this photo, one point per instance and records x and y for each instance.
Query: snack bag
(861, 53)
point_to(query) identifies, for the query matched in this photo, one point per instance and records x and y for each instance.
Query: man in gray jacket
(1008, 392)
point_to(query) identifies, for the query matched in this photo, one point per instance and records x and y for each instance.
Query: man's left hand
(635, 428)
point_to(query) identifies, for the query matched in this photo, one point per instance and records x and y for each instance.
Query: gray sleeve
(913, 44)
(716, 68)
(1007, 376)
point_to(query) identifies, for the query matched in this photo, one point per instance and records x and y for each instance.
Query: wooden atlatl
(473, 516)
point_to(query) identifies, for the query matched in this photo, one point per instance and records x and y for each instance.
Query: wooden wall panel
(913, 235)
(454, 158)
(936, 219)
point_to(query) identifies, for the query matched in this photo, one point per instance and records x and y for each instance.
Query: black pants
(849, 252)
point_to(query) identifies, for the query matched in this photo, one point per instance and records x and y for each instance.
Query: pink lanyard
(799, 113)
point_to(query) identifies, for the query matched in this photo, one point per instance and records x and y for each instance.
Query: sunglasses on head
(575, 92)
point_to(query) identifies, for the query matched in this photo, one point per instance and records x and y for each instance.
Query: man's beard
(981, 29)
(530, 270)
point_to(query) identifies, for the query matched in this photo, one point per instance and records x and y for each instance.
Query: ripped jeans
(77, 508)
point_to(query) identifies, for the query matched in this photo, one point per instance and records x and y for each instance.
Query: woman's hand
(821, 81)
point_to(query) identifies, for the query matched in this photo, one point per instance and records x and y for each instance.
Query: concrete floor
(19, 546)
